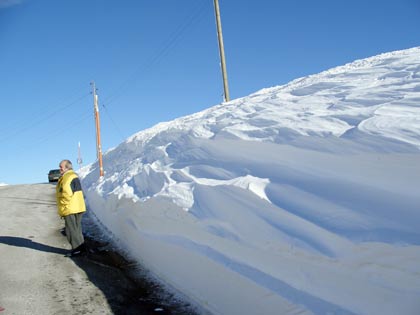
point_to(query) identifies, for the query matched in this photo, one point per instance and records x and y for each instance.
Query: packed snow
(298, 199)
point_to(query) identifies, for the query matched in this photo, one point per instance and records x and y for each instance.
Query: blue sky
(157, 60)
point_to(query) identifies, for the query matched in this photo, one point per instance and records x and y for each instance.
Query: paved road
(36, 278)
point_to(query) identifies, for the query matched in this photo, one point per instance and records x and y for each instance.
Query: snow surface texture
(298, 199)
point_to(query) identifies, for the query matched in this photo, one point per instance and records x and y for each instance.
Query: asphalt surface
(36, 277)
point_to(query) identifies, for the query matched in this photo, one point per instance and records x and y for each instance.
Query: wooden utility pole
(98, 130)
(221, 50)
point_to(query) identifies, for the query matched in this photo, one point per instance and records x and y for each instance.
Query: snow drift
(302, 198)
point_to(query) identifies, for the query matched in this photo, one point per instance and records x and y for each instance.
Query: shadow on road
(127, 288)
(114, 276)
(125, 296)
(28, 243)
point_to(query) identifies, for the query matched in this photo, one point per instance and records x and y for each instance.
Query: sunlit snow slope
(298, 199)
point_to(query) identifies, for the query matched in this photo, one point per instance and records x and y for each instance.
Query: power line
(16, 121)
(41, 120)
(170, 43)
(113, 121)
(56, 132)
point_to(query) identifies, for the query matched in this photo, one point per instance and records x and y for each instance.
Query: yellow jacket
(69, 194)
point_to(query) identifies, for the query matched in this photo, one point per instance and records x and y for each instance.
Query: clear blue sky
(157, 60)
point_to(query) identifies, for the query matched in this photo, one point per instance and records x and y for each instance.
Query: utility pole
(221, 50)
(98, 130)
(79, 156)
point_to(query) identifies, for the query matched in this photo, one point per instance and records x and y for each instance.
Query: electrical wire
(170, 43)
(70, 126)
(113, 122)
(41, 120)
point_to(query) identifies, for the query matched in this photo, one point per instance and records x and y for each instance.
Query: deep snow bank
(298, 198)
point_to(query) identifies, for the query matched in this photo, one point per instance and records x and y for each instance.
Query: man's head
(65, 165)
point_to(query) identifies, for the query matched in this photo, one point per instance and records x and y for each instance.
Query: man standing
(71, 206)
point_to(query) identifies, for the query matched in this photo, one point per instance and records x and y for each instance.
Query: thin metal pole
(79, 156)
(98, 130)
(221, 50)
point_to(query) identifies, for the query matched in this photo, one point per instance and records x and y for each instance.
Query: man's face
(63, 168)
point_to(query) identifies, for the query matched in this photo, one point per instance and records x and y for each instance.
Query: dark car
(53, 175)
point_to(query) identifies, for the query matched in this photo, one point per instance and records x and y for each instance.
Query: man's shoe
(75, 253)
(78, 251)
